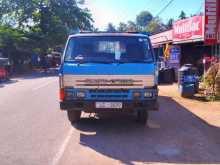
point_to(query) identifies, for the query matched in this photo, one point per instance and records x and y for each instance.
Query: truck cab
(108, 72)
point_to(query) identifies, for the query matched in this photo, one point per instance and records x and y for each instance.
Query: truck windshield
(109, 49)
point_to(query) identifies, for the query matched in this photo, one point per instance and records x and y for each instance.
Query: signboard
(219, 25)
(166, 51)
(174, 59)
(211, 21)
(188, 29)
(175, 51)
(219, 34)
(162, 38)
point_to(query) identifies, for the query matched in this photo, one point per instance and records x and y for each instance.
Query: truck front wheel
(74, 116)
(142, 116)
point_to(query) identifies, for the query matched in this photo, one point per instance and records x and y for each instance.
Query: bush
(217, 83)
(212, 81)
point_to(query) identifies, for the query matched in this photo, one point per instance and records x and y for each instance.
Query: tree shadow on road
(40, 74)
(7, 82)
(29, 76)
(173, 135)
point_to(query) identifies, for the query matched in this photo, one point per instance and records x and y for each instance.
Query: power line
(164, 8)
(200, 8)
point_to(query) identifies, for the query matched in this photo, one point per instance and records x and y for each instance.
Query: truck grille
(109, 94)
(109, 81)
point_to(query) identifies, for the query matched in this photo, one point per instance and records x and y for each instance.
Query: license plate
(108, 105)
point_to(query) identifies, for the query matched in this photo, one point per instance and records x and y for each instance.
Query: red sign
(219, 23)
(211, 21)
(188, 29)
(161, 38)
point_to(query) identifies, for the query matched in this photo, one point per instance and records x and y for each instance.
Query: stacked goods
(212, 80)
(217, 83)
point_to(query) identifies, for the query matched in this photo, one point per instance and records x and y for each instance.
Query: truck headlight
(80, 94)
(69, 93)
(148, 94)
(137, 94)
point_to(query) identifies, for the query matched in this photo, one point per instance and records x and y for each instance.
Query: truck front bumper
(128, 106)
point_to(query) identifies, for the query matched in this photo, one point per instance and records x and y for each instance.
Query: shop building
(191, 40)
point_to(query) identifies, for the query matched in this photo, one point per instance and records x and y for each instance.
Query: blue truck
(108, 72)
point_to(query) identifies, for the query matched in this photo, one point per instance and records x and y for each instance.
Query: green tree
(182, 15)
(122, 27)
(47, 21)
(111, 28)
(132, 27)
(155, 26)
(143, 19)
(14, 44)
(28, 12)
(170, 23)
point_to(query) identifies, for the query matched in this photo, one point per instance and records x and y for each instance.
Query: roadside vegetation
(38, 25)
(211, 82)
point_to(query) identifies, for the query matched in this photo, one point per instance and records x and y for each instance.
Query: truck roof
(98, 34)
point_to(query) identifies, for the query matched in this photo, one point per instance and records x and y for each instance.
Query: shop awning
(162, 38)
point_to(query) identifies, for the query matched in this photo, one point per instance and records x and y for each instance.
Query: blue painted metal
(74, 68)
(108, 95)
(108, 69)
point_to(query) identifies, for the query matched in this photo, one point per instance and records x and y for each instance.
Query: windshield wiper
(135, 61)
(143, 61)
(102, 62)
(110, 62)
(84, 62)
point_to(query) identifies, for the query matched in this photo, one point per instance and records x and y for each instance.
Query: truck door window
(69, 50)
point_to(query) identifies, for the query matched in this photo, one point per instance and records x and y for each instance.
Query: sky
(115, 11)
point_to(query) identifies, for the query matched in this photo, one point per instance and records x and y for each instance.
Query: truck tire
(74, 116)
(142, 116)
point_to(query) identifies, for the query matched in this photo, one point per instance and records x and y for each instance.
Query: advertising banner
(219, 23)
(175, 51)
(188, 29)
(162, 38)
(211, 21)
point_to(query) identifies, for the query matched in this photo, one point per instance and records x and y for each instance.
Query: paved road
(35, 132)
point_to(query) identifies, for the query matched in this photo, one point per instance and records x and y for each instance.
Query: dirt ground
(35, 132)
(184, 131)
(209, 112)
